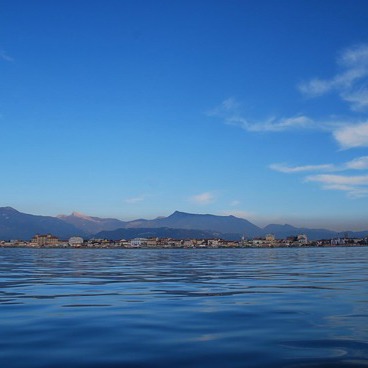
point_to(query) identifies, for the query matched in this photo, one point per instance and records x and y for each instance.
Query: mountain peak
(8, 209)
(81, 215)
(76, 215)
(178, 213)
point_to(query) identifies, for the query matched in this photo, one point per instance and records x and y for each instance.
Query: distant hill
(18, 225)
(221, 224)
(163, 232)
(177, 220)
(283, 231)
(91, 225)
(22, 226)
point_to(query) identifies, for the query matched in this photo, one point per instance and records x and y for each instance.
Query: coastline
(186, 248)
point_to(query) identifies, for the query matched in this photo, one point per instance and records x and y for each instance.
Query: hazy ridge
(180, 225)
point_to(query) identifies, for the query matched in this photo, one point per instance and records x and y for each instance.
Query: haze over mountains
(180, 225)
(18, 225)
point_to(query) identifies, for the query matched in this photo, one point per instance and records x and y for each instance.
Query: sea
(277, 307)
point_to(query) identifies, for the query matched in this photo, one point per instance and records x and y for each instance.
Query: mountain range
(180, 225)
(18, 225)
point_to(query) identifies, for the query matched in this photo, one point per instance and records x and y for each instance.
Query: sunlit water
(184, 308)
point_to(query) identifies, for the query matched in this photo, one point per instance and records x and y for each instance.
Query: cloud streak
(4, 56)
(339, 179)
(133, 200)
(351, 83)
(272, 124)
(296, 169)
(356, 186)
(228, 110)
(352, 136)
(203, 198)
(359, 163)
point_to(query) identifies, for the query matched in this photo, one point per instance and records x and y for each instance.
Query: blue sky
(134, 109)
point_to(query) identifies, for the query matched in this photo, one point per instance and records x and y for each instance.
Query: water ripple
(201, 308)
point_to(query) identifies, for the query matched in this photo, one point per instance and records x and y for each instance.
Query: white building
(137, 242)
(302, 239)
(75, 241)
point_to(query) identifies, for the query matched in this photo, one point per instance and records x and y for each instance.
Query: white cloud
(358, 99)
(352, 192)
(339, 179)
(133, 200)
(295, 169)
(354, 135)
(360, 163)
(203, 198)
(315, 87)
(228, 110)
(278, 125)
(354, 186)
(351, 83)
(229, 105)
(348, 134)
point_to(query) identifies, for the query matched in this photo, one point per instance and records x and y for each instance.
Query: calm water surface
(184, 308)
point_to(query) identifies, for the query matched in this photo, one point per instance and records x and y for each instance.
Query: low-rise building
(138, 242)
(75, 241)
(47, 239)
(302, 239)
(270, 238)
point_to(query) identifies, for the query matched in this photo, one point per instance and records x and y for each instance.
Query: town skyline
(137, 109)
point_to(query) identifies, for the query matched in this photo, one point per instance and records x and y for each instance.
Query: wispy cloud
(235, 202)
(339, 179)
(272, 124)
(228, 110)
(203, 198)
(359, 163)
(350, 184)
(348, 133)
(296, 169)
(133, 200)
(228, 105)
(355, 186)
(351, 83)
(353, 135)
(5, 56)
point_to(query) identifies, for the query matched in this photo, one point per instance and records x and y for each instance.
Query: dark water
(184, 308)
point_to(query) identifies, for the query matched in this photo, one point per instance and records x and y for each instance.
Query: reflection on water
(197, 308)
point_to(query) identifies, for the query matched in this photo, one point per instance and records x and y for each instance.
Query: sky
(135, 109)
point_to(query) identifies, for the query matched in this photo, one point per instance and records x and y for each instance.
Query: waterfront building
(46, 239)
(152, 242)
(75, 241)
(137, 242)
(302, 239)
(338, 241)
(270, 238)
